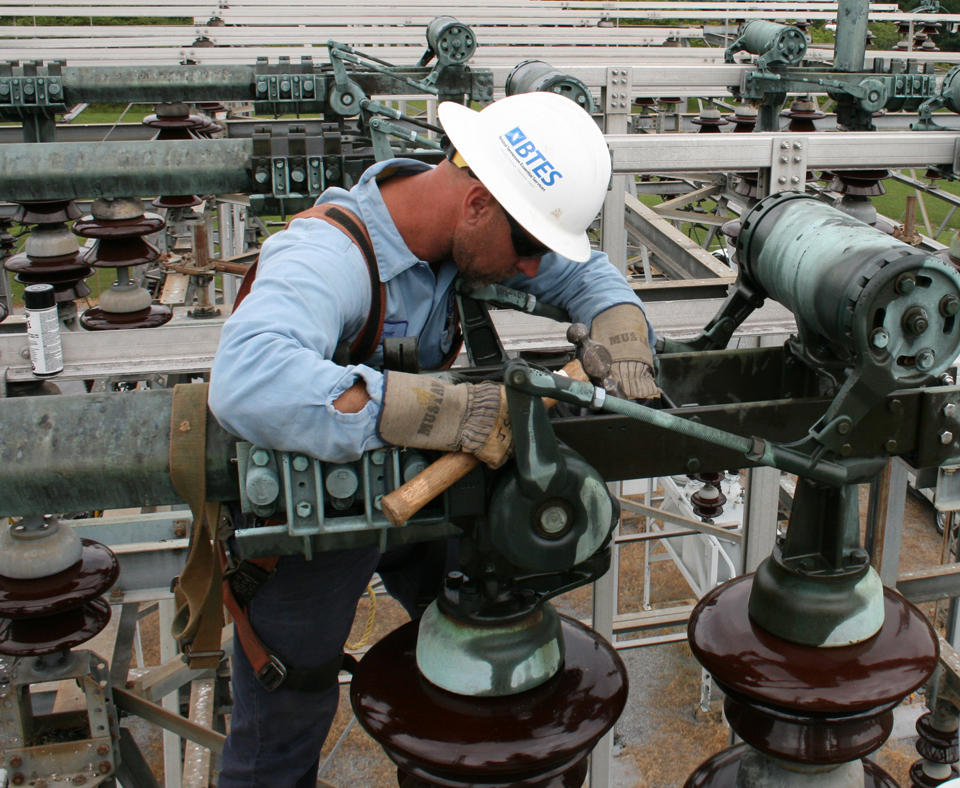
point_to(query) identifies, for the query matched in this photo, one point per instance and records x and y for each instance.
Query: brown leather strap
(348, 223)
(198, 621)
(269, 669)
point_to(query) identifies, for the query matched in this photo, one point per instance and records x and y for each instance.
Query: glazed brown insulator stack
(118, 226)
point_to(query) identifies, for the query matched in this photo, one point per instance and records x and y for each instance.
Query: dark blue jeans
(303, 613)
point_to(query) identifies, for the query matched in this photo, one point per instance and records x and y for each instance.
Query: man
(523, 181)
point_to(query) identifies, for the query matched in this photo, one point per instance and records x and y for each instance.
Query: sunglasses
(523, 244)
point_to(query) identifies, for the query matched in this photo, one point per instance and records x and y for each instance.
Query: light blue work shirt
(273, 382)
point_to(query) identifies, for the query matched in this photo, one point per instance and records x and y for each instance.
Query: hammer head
(594, 357)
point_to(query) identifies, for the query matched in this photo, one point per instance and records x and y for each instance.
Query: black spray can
(43, 330)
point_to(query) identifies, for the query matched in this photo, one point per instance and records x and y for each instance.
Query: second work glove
(622, 329)
(425, 412)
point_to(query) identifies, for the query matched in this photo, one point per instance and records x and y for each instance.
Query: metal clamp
(287, 88)
(288, 165)
(30, 90)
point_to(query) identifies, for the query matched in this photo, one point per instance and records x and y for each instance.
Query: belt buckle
(272, 675)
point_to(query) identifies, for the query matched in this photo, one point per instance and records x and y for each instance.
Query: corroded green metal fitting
(883, 304)
(536, 75)
(775, 43)
(490, 659)
(450, 40)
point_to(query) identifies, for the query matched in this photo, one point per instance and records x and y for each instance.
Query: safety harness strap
(348, 223)
(198, 620)
(240, 584)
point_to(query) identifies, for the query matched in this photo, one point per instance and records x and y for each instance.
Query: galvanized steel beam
(59, 170)
(108, 451)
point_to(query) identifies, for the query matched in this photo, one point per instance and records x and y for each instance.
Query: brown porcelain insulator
(49, 614)
(174, 122)
(802, 704)
(938, 748)
(540, 738)
(708, 501)
(721, 770)
(744, 119)
(920, 779)
(859, 183)
(52, 255)
(903, 31)
(120, 241)
(802, 114)
(930, 29)
(119, 227)
(710, 121)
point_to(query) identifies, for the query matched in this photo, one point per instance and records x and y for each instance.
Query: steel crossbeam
(60, 170)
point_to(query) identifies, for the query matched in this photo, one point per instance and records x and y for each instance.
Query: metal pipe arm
(99, 451)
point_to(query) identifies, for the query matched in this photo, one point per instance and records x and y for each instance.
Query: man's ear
(478, 203)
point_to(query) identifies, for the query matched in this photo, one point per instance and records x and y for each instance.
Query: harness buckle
(273, 674)
(245, 579)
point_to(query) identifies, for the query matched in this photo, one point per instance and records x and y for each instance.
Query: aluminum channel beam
(76, 170)
(666, 153)
(189, 348)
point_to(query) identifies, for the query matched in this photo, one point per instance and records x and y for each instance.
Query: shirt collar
(393, 255)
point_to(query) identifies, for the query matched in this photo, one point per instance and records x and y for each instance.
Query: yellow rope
(371, 615)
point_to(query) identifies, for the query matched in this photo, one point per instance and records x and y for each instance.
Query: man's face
(484, 253)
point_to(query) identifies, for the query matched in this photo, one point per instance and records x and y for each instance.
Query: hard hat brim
(465, 128)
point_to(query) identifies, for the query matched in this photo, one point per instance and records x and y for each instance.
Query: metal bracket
(283, 88)
(788, 165)
(323, 497)
(31, 91)
(288, 165)
(618, 91)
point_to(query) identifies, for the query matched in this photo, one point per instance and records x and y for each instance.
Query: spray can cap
(39, 297)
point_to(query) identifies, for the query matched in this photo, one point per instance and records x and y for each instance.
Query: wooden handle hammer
(410, 497)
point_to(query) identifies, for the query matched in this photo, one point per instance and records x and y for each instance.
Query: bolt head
(949, 305)
(891, 446)
(300, 463)
(304, 509)
(260, 457)
(925, 360)
(946, 437)
(554, 519)
(879, 338)
(906, 283)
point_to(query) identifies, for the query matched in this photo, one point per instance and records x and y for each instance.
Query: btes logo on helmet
(529, 154)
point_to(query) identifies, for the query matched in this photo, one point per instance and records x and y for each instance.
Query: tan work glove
(622, 329)
(426, 412)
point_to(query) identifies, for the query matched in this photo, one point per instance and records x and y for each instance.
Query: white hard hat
(542, 157)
